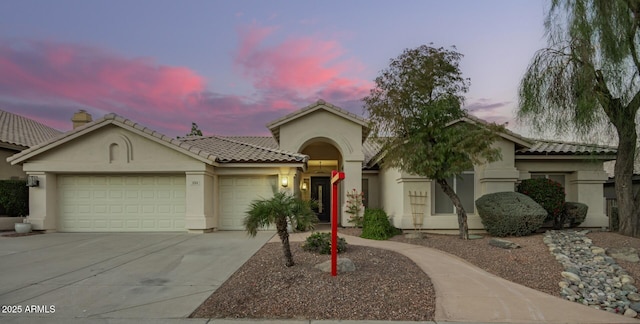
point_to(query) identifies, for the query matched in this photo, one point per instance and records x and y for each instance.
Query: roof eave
(117, 121)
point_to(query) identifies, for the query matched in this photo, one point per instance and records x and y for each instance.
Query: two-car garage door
(121, 203)
(109, 203)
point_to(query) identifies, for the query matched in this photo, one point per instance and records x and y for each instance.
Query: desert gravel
(386, 285)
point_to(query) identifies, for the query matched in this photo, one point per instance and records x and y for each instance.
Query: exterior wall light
(32, 181)
(304, 186)
(285, 182)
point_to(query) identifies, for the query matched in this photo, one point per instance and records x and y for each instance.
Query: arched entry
(315, 183)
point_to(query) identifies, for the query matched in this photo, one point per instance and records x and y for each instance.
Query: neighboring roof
(113, 119)
(274, 126)
(546, 147)
(228, 149)
(21, 132)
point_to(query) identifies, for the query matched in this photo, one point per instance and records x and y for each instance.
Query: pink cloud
(306, 65)
(50, 81)
(55, 79)
(93, 77)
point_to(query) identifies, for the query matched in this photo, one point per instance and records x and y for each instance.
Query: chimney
(80, 118)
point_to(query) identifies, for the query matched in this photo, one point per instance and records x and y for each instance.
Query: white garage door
(121, 203)
(236, 193)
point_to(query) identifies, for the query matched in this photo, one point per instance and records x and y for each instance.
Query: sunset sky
(233, 66)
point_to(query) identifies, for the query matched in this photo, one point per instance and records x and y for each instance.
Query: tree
(414, 110)
(282, 209)
(195, 130)
(587, 80)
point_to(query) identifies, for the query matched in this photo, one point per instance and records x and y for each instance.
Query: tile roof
(264, 141)
(22, 131)
(369, 147)
(238, 149)
(115, 120)
(546, 147)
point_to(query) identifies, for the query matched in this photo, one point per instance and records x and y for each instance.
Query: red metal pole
(336, 177)
(334, 224)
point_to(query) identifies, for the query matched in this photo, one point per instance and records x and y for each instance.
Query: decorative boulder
(344, 265)
(576, 213)
(504, 244)
(510, 213)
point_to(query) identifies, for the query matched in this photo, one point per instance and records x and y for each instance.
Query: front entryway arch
(325, 125)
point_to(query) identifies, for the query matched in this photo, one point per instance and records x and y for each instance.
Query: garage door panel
(121, 203)
(237, 193)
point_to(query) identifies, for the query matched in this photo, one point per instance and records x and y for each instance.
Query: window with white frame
(464, 187)
(557, 177)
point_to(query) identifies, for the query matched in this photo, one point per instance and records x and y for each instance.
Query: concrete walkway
(466, 293)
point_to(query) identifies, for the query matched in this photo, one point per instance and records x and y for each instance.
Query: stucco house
(113, 174)
(18, 133)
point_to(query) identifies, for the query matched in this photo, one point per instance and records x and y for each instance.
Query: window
(464, 186)
(551, 176)
(365, 192)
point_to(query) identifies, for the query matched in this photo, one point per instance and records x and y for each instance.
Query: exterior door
(321, 192)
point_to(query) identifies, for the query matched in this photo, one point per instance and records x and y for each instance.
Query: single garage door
(237, 192)
(149, 203)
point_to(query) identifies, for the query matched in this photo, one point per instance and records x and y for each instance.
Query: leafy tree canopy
(414, 111)
(416, 114)
(587, 81)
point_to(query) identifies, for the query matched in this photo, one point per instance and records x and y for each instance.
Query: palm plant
(282, 209)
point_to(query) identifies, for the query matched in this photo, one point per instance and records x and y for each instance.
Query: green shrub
(376, 225)
(321, 243)
(549, 194)
(576, 213)
(510, 213)
(14, 197)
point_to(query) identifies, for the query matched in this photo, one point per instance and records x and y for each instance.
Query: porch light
(304, 185)
(285, 182)
(32, 181)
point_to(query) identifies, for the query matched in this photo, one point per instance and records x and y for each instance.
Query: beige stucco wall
(93, 153)
(583, 183)
(90, 153)
(8, 171)
(345, 135)
(391, 193)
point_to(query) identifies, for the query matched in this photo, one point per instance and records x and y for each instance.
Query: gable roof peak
(320, 104)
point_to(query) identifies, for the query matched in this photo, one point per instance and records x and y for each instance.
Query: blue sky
(233, 66)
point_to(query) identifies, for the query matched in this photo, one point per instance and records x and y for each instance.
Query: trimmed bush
(321, 243)
(549, 194)
(14, 197)
(510, 214)
(376, 225)
(575, 212)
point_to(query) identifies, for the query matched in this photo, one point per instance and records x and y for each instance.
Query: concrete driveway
(117, 275)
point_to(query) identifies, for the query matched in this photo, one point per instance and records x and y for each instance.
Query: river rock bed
(590, 276)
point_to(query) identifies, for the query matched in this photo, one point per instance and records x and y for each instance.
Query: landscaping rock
(503, 244)
(344, 265)
(634, 297)
(571, 276)
(630, 313)
(624, 253)
(635, 306)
